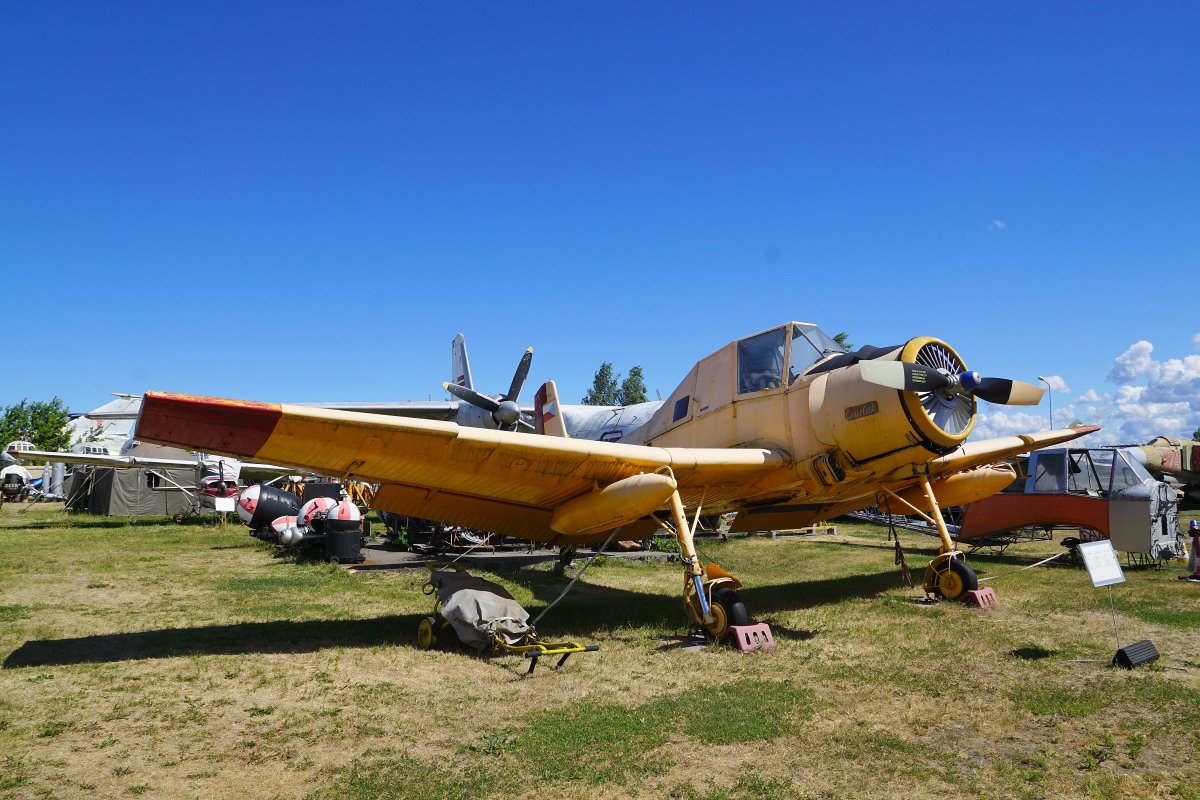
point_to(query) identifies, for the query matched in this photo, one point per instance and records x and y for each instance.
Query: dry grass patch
(162, 661)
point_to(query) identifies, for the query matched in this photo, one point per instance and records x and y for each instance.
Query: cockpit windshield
(809, 345)
(761, 357)
(760, 361)
(1127, 472)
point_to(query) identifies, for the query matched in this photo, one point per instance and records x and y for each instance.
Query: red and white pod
(281, 524)
(247, 503)
(345, 511)
(315, 506)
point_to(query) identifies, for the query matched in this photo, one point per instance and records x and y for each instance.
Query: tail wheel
(426, 633)
(728, 609)
(957, 580)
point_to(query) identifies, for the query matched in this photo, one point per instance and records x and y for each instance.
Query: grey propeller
(506, 411)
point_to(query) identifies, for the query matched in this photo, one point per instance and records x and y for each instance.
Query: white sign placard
(224, 504)
(1102, 564)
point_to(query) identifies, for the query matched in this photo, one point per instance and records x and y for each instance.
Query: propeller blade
(902, 375)
(518, 381)
(471, 396)
(1005, 392)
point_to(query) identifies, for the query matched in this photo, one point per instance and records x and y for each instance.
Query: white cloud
(1131, 364)
(998, 225)
(1152, 397)
(1056, 383)
(1196, 341)
(990, 424)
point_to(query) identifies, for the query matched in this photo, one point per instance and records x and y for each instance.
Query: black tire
(963, 580)
(732, 612)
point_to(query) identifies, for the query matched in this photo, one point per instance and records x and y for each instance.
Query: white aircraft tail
(460, 365)
(547, 417)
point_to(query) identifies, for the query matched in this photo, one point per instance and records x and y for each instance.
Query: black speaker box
(1136, 653)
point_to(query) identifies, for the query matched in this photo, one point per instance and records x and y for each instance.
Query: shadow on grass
(1031, 653)
(85, 521)
(590, 608)
(924, 547)
(280, 636)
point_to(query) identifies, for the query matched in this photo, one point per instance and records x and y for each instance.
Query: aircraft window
(809, 345)
(1049, 473)
(1082, 477)
(1103, 461)
(1127, 472)
(760, 361)
(681, 408)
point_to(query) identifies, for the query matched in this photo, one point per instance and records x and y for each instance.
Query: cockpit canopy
(1080, 471)
(761, 358)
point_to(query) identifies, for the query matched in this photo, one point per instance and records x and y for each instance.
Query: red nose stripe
(209, 424)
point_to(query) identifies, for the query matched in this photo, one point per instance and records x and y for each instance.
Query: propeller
(909, 377)
(506, 411)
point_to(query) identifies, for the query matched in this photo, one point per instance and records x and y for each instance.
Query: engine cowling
(868, 422)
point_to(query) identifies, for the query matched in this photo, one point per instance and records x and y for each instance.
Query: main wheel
(957, 580)
(728, 609)
(426, 633)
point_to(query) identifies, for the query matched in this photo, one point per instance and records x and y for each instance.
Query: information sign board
(1101, 562)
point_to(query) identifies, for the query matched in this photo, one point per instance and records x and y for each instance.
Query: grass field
(189, 661)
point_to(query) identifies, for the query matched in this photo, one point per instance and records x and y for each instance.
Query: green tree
(633, 388)
(1196, 435)
(604, 390)
(840, 338)
(42, 422)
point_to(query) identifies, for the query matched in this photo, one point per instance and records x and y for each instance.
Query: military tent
(134, 491)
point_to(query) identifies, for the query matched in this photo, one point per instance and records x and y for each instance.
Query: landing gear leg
(693, 573)
(708, 592)
(947, 574)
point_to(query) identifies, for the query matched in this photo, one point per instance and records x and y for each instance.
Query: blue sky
(301, 201)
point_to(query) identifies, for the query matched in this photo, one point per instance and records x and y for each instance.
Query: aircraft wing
(251, 471)
(501, 481)
(419, 409)
(99, 460)
(964, 457)
(446, 410)
(988, 451)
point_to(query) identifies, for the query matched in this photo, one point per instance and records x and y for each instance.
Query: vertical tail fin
(547, 418)
(460, 366)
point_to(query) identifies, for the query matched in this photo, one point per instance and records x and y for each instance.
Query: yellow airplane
(784, 427)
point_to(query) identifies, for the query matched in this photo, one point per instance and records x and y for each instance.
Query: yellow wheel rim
(720, 621)
(951, 584)
(425, 634)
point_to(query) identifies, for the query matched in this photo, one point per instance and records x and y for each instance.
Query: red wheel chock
(983, 598)
(748, 638)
